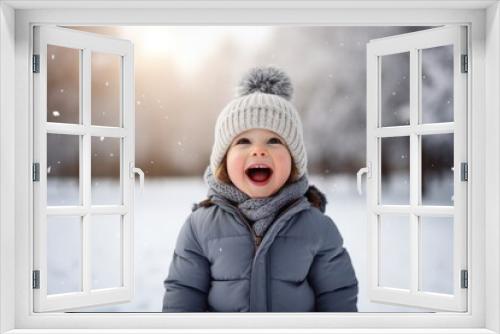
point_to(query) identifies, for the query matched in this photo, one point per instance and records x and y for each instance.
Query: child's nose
(259, 151)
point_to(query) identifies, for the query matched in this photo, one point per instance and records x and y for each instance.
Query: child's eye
(242, 141)
(275, 141)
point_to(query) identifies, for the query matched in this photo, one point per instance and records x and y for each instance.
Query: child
(260, 242)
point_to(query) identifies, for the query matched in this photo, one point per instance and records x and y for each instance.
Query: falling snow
(56, 113)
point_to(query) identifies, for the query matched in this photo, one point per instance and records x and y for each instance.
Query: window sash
(413, 43)
(86, 43)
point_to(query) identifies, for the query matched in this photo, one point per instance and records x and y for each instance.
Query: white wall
(492, 214)
(6, 168)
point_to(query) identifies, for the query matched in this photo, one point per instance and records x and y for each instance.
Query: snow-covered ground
(162, 207)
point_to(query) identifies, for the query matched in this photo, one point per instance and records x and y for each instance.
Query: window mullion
(414, 170)
(86, 170)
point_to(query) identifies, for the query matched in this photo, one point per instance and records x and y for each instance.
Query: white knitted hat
(263, 101)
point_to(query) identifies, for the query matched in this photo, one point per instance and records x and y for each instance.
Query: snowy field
(163, 206)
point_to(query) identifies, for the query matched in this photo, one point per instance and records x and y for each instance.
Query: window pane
(395, 170)
(106, 236)
(437, 169)
(106, 88)
(436, 251)
(63, 166)
(63, 84)
(106, 171)
(395, 89)
(437, 84)
(64, 254)
(394, 253)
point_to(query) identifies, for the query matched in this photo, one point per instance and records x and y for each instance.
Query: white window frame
(16, 212)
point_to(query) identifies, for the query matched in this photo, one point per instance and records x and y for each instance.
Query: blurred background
(184, 76)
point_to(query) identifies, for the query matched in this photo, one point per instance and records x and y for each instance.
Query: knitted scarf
(260, 211)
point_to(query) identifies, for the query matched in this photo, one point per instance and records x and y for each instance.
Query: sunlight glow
(188, 45)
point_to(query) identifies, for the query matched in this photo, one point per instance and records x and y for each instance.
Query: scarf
(260, 211)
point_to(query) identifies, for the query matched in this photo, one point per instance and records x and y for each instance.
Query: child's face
(258, 162)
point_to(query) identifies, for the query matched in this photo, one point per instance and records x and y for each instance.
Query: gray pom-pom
(270, 80)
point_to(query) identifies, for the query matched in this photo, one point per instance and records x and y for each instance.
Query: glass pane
(436, 251)
(63, 84)
(395, 170)
(106, 88)
(437, 169)
(64, 254)
(394, 253)
(395, 89)
(106, 251)
(437, 84)
(106, 171)
(63, 166)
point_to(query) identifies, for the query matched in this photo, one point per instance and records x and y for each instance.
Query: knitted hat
(263, 101)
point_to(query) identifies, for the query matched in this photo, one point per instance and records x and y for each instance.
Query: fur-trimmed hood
(316, 198)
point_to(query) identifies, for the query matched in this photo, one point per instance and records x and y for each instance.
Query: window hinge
(36, 279)
(464, 171)
(465, 66)
(464, 279)
(36, 171)
(36, 63)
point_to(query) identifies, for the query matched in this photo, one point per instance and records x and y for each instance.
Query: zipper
(256, 238)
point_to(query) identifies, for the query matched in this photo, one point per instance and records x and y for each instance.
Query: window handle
(365, 170)
(135, 170)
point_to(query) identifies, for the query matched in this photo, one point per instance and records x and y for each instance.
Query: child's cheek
(235, 165)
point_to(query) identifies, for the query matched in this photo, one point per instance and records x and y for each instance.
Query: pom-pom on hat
(263, 102)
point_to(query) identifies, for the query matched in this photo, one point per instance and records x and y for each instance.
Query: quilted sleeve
(188, 280)
(332, 275)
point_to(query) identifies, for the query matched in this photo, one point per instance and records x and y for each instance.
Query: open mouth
(259, 173)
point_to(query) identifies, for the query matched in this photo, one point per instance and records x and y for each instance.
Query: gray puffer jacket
(299, 265)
